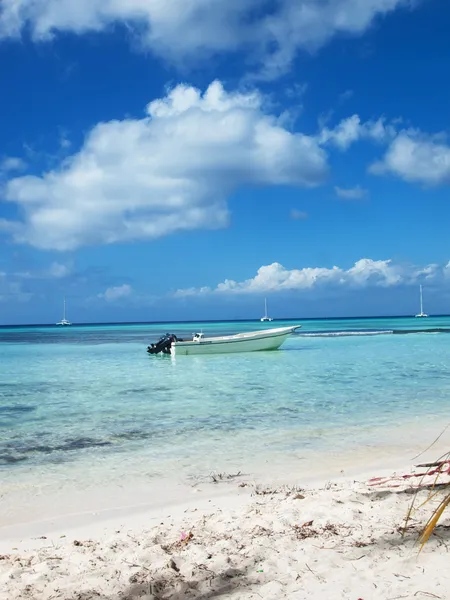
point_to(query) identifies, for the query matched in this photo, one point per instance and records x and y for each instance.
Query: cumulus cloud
(181, 31)
(169, 171)
(118, 292)
(355, 193)
(411, 154)
(416, 157)
(364, 273)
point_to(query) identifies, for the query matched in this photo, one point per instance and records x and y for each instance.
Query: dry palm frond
(433, 521)
(431, 481)
(438, 469)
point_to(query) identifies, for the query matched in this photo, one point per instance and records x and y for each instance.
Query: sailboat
(64, 321)
(266, 316)
(421, 314)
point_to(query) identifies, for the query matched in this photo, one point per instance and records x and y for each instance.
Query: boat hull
(262, 341)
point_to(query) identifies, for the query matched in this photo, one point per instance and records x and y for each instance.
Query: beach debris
(438, 468)
(361, 544)
(306, 530)
(173, 565)
(287, 490)
(87, 543)
(434, 478)
(217, 477)
(186, 537)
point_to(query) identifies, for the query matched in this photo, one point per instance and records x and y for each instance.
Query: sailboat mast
(265, 307)
(64, 309)
(421, 301)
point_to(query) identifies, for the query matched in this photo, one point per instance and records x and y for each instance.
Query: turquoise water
(90, 397)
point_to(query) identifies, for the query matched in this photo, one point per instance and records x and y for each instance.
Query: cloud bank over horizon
(365, 273)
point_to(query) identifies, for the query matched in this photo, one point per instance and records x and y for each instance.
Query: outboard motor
(163, 344)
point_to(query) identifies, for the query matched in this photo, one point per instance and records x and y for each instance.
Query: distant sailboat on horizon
(421, 314)
(266, 316)
(64, 321)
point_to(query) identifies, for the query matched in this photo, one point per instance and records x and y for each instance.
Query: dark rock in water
(10, 459)
(81, 443)
(134, 435)
(16, 408)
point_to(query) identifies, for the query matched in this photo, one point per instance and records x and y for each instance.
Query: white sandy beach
(235, 539)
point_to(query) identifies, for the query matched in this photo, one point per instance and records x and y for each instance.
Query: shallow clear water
(90, 397)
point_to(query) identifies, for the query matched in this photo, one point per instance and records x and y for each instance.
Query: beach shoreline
(94, 492)
(235, 537)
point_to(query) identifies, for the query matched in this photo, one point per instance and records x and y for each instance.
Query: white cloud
(118, 292)
(411, 155)
(54, 271)
(364, 273)
(64, 142)
(12, 290)
(296, 90)
(298, 215)
(352, 129)
(170, 171)
(416, 157)
(355, 193)
(181, 30)
(58, 271)
(12, 163)
(345, 96)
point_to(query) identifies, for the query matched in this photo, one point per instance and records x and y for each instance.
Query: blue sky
(172, 160)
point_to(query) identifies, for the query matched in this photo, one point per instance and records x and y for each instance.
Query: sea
(85, 406)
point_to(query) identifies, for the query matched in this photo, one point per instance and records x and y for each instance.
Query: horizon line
(17, 325)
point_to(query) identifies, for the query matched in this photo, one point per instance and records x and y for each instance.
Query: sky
(174, 160)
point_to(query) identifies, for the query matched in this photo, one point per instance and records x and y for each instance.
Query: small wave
(432, 330)
(344, 333)
(326, 334)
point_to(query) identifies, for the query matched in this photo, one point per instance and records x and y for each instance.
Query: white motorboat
(64, 321)
(268, 339)
(421, 314)
(266, 316)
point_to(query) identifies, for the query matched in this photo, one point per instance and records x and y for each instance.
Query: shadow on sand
(204, 585)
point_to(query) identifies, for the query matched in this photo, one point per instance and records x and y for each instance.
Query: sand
(236, 539)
